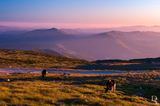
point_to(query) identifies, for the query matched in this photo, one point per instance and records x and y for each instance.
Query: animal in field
(8, 80)
(44, 73)
(154, 99)
(66, 75)
(110, 85)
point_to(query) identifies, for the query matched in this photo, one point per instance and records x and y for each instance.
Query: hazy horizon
(91, 18)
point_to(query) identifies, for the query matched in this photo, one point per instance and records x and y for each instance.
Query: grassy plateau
(30, 89)
(134, 88)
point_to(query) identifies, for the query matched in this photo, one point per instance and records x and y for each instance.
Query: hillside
(130, 65)
(50, 59)
(30, 89)
(115, 45)
(36, 59)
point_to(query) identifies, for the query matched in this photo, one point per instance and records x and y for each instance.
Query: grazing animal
(110, 86)
(66, 75)
(8, 80)
(44, 73)
(154, 99)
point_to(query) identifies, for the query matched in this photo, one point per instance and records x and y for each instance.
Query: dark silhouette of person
(44, 73)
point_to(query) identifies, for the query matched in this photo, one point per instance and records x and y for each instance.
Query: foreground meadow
(29, 89)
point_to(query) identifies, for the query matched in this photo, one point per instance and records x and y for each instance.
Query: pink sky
(72, 25)
(79, 13)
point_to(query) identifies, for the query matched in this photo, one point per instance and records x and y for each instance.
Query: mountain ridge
(104, 45)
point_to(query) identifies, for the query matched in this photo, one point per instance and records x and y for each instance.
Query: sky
(79, 13)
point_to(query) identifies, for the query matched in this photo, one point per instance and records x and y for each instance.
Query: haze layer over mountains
(87, 44)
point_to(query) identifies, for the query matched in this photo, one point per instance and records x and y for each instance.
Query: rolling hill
(36, 59)
(49, 59)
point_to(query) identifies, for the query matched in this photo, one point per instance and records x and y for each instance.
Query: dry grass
(77, 90)
(32, 59)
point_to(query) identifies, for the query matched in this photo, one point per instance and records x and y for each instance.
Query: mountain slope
(35, 59)
(36, 39)
(52, 34)
(116, 45)
(107, 45)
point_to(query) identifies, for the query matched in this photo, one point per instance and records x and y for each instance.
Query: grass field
(78, 90)
(41, 60)
(33, 59)
(29, 89)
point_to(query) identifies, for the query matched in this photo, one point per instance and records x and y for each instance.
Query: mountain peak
(53, 29)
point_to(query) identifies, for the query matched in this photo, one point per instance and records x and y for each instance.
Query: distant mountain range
(122, 28)
(90, 45)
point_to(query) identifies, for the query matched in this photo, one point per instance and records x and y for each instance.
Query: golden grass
(75, 90)
(33, 59)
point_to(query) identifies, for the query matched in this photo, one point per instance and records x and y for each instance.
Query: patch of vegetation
(32, 59)
(78, 90)
(130, 65)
